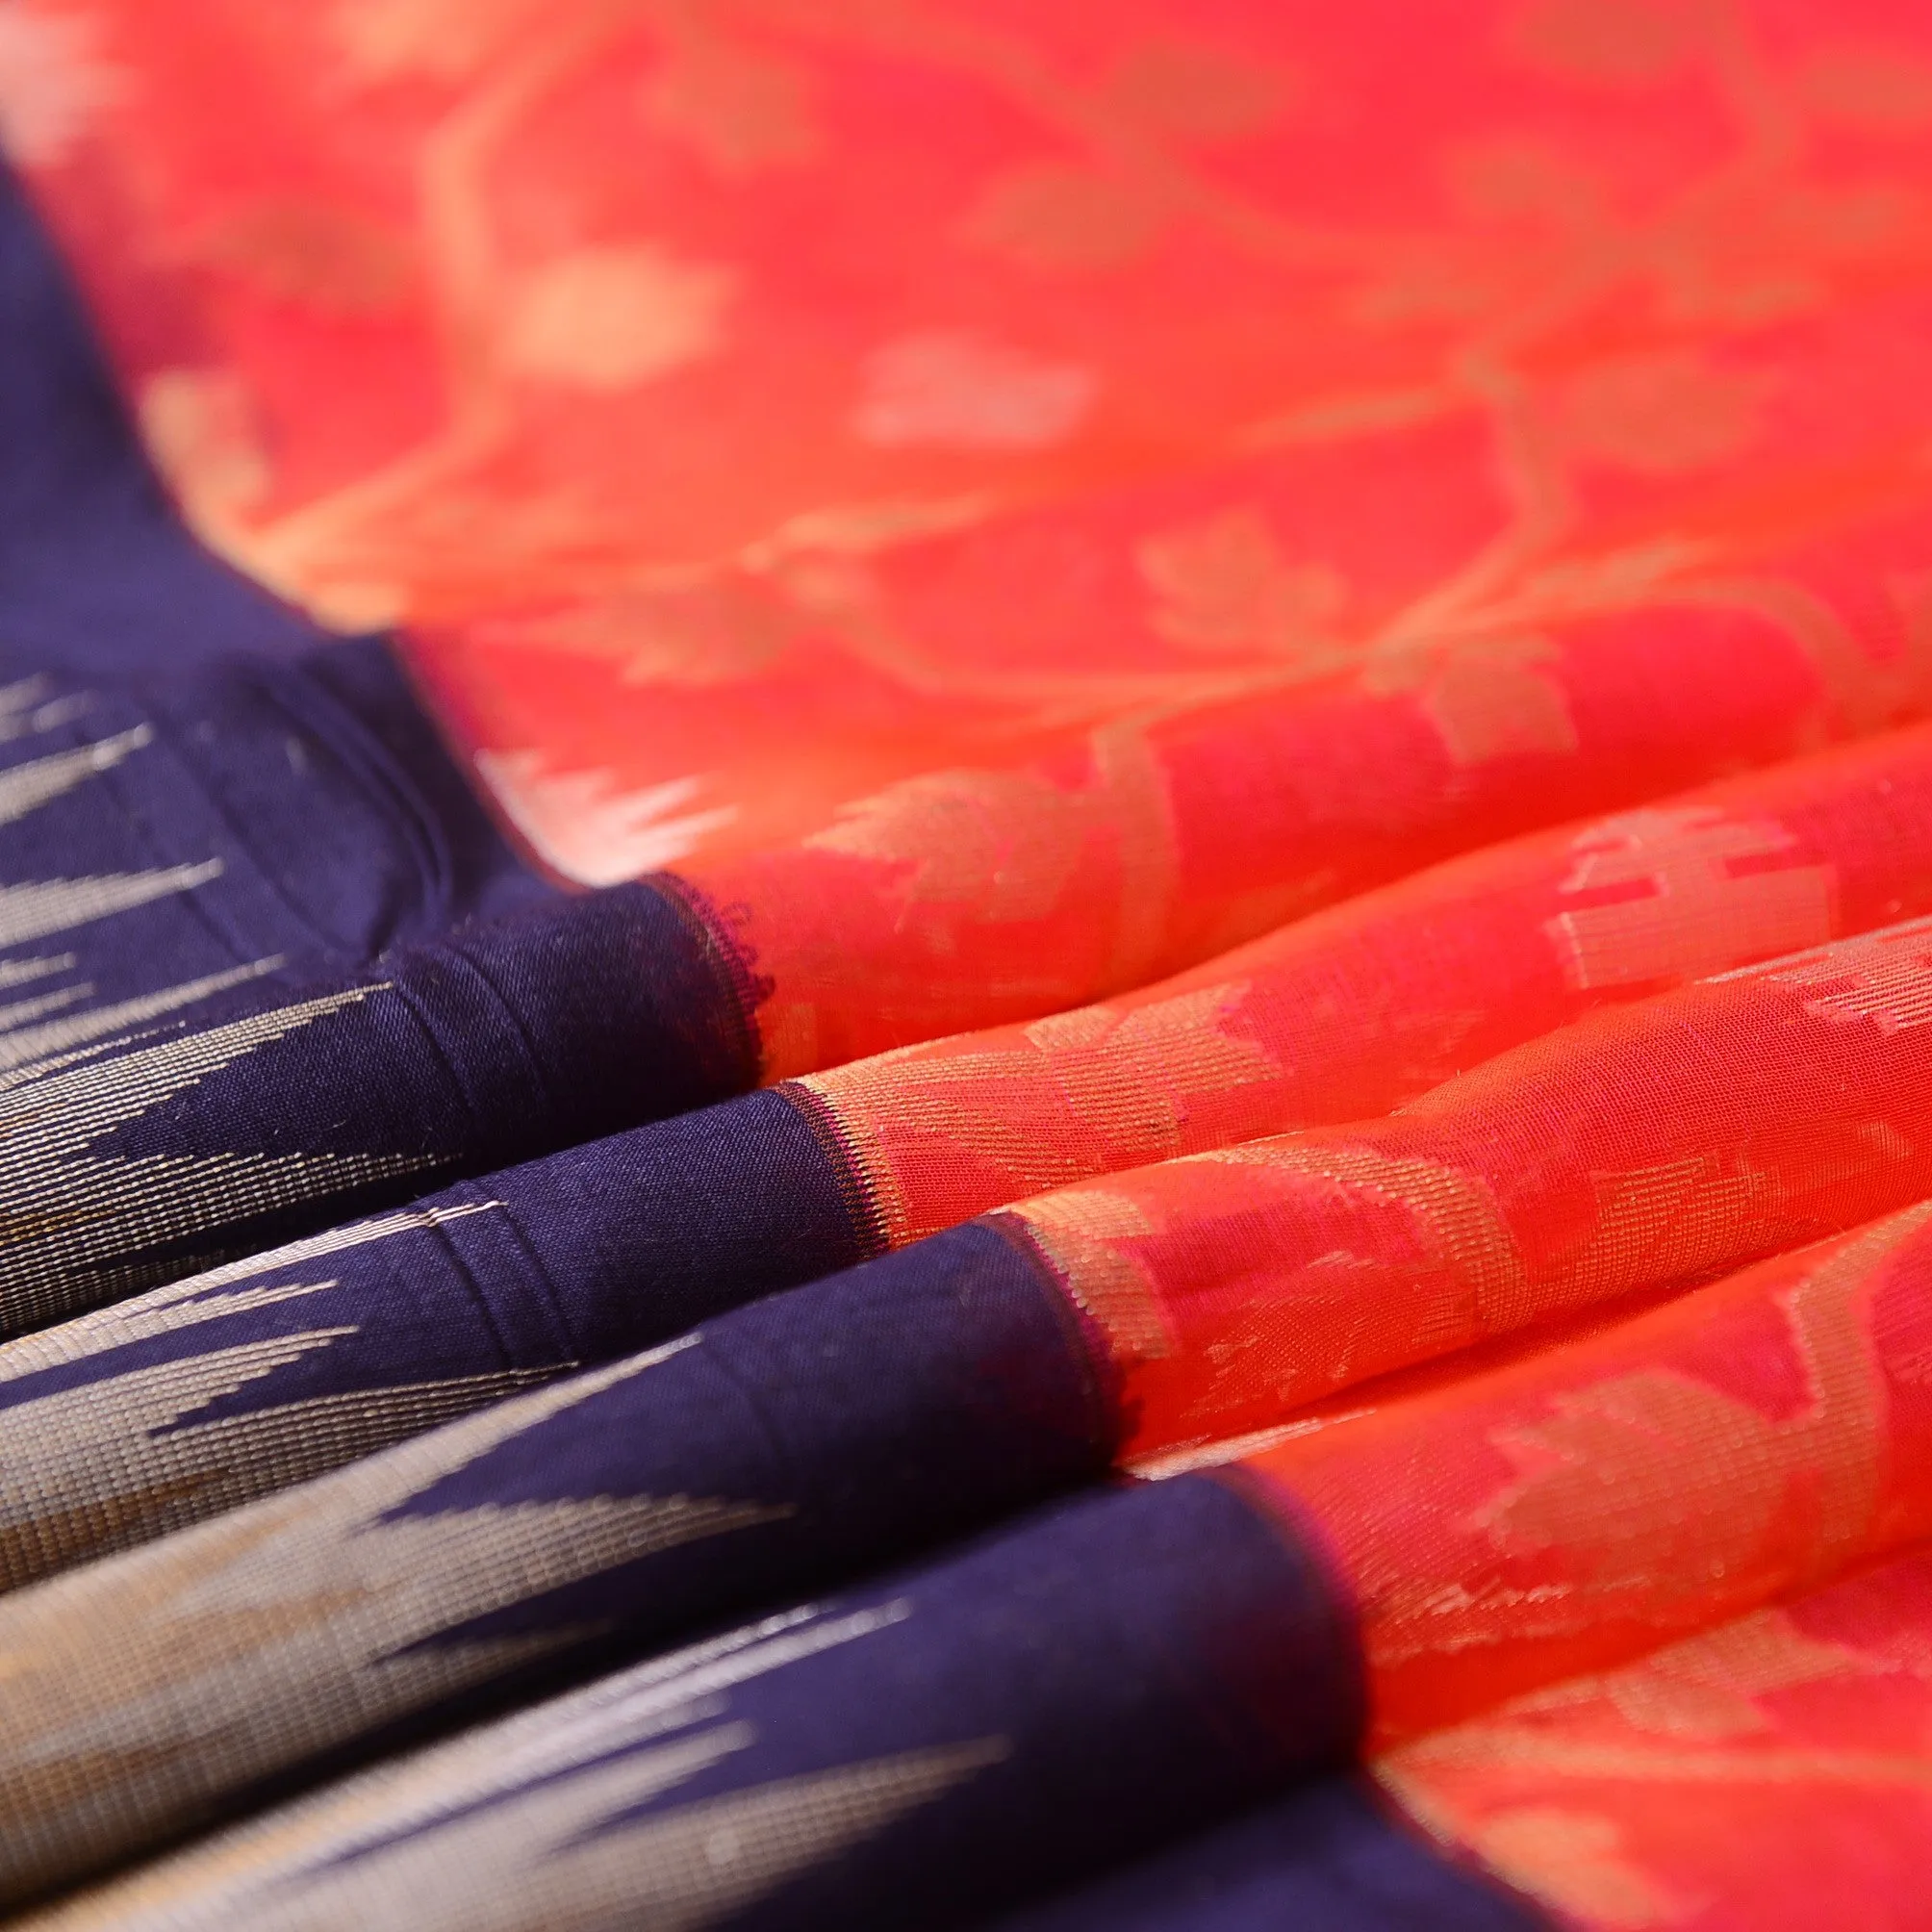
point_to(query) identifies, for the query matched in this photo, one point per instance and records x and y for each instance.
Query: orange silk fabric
(1352, 1012)
(1766, 1776)
(1563, 1514)
(1645, 1144)
(979, 894)
(1014, 498)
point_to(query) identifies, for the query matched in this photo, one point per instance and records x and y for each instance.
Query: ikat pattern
(559, 1813)
(74, 1068)
(62, 1016)
(113, 1432)
(124, 1674)
(93, 1211)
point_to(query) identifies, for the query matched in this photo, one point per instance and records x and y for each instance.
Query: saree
(965, 965)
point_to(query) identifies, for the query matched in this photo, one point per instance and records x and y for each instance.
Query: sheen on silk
(1364, 457)
(1191, 1022)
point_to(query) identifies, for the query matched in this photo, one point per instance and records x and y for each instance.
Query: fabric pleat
(965, 963)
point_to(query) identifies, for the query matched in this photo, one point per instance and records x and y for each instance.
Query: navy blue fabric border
(1143, 1661)
(282, 1110)
(872, 1415)
(97, 575)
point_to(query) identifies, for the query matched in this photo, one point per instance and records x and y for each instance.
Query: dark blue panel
(874, 1413)
(578, 1257)
(339, 824)
(1149, 1659)
(1327, 1856)
(244, 820)
(349, 706)
(283, 1109)
(647, 1233)
(96, 573)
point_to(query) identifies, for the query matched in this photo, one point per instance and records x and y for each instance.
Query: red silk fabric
(1016, 499)
(1011, 501)
(1352, 1012)
(1576, 1509)
(1766, 1775)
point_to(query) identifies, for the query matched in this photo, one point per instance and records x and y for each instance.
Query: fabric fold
(163, 1149)
(649, 1000)
(1469, 1536)
(1205, 1297)
(1747, 1440)
(524, 1032)
(562, 1019)
(1763, 1774)
(998, 887)
(1362, 1008)
(1063, 1692)
(1758, 1775)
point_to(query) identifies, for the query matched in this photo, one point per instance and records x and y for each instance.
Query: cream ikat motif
(84, 1221)
(121, 1425)
(569, 1813)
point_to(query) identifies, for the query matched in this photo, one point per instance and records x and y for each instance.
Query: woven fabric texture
(965, 963)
